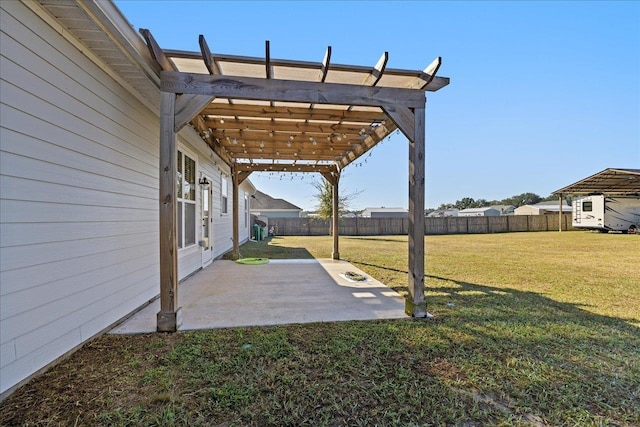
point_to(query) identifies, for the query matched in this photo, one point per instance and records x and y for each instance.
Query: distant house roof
(503, 208)
(262, 202)
(543, 206)
(439, 213)
(552, 204)
(477, 210)
(609, 181)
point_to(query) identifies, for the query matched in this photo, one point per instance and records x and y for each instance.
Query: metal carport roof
(609, 181)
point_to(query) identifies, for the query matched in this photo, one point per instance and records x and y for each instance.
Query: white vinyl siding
(78, 206)
(78, 197)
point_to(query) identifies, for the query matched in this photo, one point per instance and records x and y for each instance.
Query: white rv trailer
(607, 213)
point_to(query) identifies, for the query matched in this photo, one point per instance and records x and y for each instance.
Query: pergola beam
(204, 132)
(288, 90)
(211, 65)
(402, 117)
(169, 317)
(156, 51)
(378, 70)
(428, 75)
(381, 132)
(282, 167)
(188, 106)
(299, 113)
(267, 59)
(281, 140)
(415, 303)
(324, 69)
(235, 180)
(283, 126)
(335, 218)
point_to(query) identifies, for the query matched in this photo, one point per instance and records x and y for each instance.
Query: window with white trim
(186, 182)
(224, 195)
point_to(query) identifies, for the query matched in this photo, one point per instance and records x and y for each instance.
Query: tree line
(517, 201)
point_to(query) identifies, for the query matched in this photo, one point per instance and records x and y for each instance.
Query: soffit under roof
(609, 181)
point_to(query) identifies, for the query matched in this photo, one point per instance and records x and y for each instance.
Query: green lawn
(529, 329)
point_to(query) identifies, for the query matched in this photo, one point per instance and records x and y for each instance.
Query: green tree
(522, 199)
(466, 202)
(324, 196)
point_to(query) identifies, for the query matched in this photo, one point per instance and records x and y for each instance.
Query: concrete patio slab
(227, 294)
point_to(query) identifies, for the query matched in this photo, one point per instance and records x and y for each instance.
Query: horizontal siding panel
(93, 140)
(33, 234)
(24, 300)
(128, 304)
(32, 332)
(23, 168)
(110, 161)
(20, 211)
(103, 160)
(100, 124)
(25, 256)
(79, 199)
(30, 190)
(189, 260)
(75, 73)
(73, 271)
(70, 164)
(92, 100)
(31, 363)
(7, 353)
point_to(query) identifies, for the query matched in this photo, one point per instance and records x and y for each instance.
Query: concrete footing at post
(169, 321)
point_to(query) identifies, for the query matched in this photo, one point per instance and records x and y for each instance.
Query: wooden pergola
(272, 115)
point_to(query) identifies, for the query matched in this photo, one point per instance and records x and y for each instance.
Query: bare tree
(324, 195)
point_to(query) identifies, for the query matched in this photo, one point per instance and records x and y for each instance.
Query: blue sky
(542, 94)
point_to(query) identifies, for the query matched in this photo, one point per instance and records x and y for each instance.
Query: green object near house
(252, 261)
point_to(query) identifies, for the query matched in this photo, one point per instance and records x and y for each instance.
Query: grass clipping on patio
(531, 329)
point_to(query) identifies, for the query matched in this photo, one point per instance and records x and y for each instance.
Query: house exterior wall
(479, 212)
(385, 213)
(277, 214)
(78, 197)
(540, 209)
(389, 214)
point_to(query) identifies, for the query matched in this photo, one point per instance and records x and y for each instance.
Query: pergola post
(169, 318)
(335, 217)
(235, 178)
(415, 304)
(560, 213)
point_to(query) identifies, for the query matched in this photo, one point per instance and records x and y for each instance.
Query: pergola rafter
(272, 115)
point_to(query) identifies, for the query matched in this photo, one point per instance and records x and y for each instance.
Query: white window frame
(182, 202)
(246, 211)
(224, 194)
